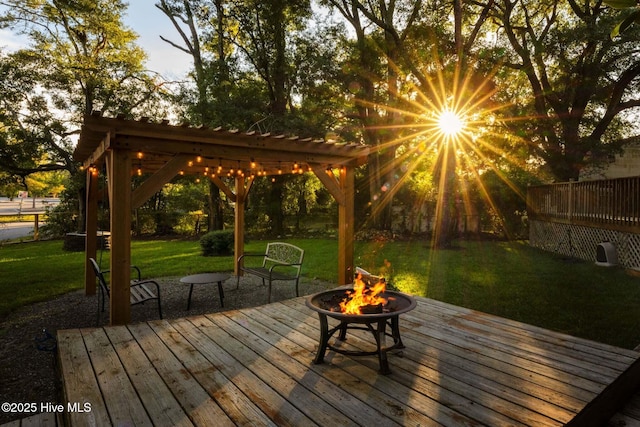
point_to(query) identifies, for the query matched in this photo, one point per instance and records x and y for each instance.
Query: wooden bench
(140, 292)
(280, 262)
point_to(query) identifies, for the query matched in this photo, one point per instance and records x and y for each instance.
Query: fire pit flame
(364, 299)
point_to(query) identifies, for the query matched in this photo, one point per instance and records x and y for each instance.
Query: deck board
(255, 367)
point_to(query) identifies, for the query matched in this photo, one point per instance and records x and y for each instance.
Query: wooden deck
(254, 367)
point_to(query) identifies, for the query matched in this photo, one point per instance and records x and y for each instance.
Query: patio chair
(280, 262)
(140, 292)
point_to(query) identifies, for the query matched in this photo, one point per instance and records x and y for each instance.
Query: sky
(149, 23)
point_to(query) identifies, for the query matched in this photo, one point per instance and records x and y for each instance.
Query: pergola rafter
(160, 151)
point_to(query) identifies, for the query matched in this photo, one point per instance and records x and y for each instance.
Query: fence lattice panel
(581, 242)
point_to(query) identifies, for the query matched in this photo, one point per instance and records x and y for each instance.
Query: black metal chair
(140, 292)
(280, 262)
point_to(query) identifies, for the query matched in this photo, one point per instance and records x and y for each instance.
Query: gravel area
(28, 372)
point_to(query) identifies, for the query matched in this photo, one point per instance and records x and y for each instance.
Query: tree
(582, 85)
(33, 138)
(368, 76)
(80, 58)
(211, 76)
(425, 65)
(633, 16)
(87, 59)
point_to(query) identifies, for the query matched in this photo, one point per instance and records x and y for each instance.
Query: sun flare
(450, 123)
(450, 132)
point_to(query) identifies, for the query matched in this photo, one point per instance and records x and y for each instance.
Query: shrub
(219, 242)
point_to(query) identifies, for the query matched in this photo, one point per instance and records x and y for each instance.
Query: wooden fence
(612, 204)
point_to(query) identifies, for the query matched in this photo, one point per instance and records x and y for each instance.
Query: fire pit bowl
(327, 304)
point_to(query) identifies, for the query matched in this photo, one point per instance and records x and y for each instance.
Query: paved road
(17, 230)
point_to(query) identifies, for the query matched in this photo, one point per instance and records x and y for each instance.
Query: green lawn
(509, 279)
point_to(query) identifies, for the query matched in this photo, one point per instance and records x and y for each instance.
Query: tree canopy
(80, 57)
(542, 88)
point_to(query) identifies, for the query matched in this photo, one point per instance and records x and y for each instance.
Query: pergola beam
(97, 155)
(154, 183)
(330, 182)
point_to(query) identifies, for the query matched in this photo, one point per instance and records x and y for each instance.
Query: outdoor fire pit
(385, 309)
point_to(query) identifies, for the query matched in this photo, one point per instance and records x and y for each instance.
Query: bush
(219, 242)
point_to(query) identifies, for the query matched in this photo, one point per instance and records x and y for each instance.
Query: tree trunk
(274, 207)
(215, 218)
(445, 208)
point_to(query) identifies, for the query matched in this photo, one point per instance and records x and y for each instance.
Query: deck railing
(611, 203)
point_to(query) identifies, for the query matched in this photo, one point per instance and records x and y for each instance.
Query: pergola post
(346, 226)
(119, 177)
(342, 189)
(91, 229)
(238, 245)
(240, 198)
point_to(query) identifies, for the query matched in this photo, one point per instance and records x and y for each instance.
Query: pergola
(160, 151)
